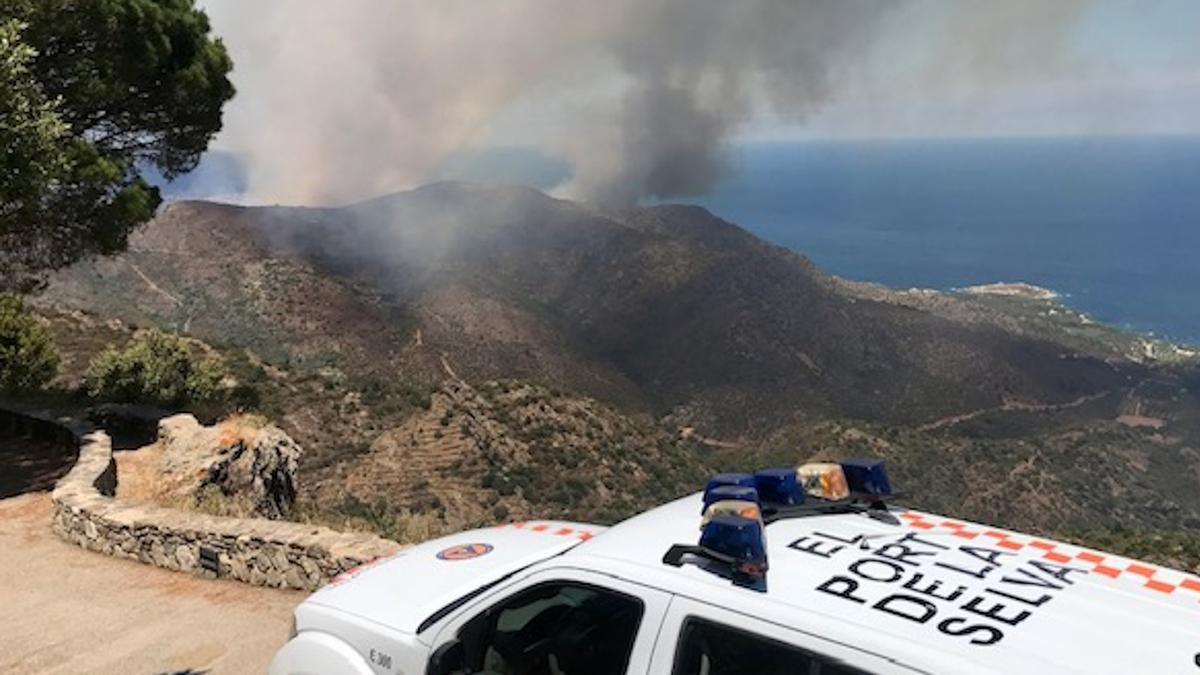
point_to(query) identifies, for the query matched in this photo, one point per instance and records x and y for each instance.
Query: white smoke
(344, 100)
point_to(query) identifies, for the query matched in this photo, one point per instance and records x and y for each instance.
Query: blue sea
(1112, 224)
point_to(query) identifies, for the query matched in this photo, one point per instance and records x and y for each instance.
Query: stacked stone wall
(263, 552)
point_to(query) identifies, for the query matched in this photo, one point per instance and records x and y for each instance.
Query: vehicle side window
(707, 648)
(555, 629)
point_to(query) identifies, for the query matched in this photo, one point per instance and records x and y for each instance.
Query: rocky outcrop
(256, 551)
(246, 458)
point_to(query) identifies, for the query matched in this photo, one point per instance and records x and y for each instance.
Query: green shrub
(155, 368)
(28, 358)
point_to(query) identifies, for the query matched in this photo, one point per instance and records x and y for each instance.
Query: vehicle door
(554, 622)
(702, 639)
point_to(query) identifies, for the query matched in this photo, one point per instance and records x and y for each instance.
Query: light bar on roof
(738, 506)
(867, 476)
(718, 493)
(779, 486)
(742, 479)
(740, 539)
(823, 480)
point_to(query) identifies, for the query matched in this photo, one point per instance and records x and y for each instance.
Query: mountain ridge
(660, 308)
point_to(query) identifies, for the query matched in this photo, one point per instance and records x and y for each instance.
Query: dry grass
(140, 476)
(241, 429)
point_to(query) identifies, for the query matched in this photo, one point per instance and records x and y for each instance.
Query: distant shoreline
(1012, 289)
(1152, 346)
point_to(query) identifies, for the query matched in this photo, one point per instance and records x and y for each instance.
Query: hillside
(508, 450)
(664, 309)
(462, 354)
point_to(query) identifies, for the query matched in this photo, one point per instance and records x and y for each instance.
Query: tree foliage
(91, 92)
(30, 128)
(28, 358)
(156, 368)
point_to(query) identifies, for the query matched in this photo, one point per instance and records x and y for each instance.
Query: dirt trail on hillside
(1011, 405)
(67, 610)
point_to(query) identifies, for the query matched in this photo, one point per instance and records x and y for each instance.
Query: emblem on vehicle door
(464, 551)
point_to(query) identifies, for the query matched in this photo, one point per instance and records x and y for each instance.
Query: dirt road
(66, 610)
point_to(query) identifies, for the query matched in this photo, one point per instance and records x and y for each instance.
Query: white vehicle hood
(402, 591)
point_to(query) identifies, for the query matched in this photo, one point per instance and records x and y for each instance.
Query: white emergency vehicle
(807, 571)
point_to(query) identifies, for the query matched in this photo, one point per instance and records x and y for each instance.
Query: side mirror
(448, 659)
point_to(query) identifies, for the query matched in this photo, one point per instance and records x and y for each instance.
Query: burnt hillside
(665, 309)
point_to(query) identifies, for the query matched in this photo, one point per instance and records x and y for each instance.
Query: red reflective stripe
(1141, 570)
(1057, 557)
(1160, 586)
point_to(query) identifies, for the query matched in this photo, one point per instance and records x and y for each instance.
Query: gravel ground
(66, 610)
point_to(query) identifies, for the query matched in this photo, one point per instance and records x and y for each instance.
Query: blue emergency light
(722, 493)
(742, 479)
(867, 476)
(779, 486)
(741, 540)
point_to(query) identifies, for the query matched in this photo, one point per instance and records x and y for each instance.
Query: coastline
(1027, 309)
(1018, 289)
(1146, 345)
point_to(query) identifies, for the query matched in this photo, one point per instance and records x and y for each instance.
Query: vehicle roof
(402, 591)
(932, 591)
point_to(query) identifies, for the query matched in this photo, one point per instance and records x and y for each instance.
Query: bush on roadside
(28, 357)
(155, 368)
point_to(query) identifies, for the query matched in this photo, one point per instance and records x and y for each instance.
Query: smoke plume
(344, 100)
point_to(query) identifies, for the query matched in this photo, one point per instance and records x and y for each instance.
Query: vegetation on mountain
(1047, 475)
(28, 358)
(155, 368)
(90, 94)
(1179, 549)
(666, 310)
(461, 355)
(507, 450)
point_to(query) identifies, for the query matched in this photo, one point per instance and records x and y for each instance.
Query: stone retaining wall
(257, 551)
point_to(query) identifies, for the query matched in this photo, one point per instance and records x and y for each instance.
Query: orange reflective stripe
(1160, 586)
(1141, 570)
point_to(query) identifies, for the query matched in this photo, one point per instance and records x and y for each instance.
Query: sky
(1122, 67)
(347, 100)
